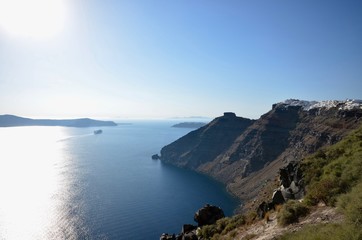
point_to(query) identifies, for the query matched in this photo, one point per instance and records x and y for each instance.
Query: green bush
(351, 205)
(312, 166)
(291, 212)
(208, 231)
(222, 226)
(234, 222)
(334, 170)
(325, 190)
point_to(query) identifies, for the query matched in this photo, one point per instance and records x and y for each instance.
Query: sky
(162, 58)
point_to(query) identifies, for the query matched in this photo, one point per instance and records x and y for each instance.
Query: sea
(69, 183)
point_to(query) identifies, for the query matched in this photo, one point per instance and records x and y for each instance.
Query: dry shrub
(291, 212)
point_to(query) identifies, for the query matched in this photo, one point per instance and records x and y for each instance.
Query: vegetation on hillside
(334, 176)
(334, 170)
(222, 227)
(291, 212)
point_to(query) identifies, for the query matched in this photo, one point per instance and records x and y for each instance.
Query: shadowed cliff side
(205, 143)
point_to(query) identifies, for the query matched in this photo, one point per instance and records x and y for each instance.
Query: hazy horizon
(166, 59)
(174, 118)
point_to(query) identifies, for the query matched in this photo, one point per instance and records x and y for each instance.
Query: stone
(166, 236)
(262, 209)
(291, 179)
(155, 157)
(284, 177)
(208, 215)
(278, 197)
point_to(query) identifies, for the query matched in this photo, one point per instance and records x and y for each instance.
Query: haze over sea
(67, 183)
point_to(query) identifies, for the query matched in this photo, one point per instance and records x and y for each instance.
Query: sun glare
(35, 18)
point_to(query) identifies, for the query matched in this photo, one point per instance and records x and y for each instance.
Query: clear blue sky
(156, 59)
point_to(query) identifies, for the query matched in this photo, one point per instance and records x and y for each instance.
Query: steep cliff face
(246, 154)
(257, 146)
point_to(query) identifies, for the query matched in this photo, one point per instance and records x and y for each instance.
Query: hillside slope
(331, 208)
(333, 177)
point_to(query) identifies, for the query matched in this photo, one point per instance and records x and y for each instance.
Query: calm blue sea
(67, 183)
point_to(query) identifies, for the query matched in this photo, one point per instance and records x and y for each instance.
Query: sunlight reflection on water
(31, 182)
(67, 183)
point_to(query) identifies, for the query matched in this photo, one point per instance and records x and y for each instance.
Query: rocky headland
(246, 155)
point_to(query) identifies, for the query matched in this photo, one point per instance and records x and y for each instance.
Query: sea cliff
(246, 154)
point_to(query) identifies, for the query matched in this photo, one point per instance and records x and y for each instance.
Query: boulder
(291, 179)
(284, 177)
(278, 197)
(262, 209)
(287, 193)
(208, 215)
(155, 157)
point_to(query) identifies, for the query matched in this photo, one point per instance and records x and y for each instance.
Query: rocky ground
(270, 230)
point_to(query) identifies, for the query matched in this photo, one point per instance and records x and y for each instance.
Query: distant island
(15, 121)
(189, 125)
(124, 123)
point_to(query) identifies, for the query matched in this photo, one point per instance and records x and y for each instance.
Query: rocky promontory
(246, 154)
(205, 143)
